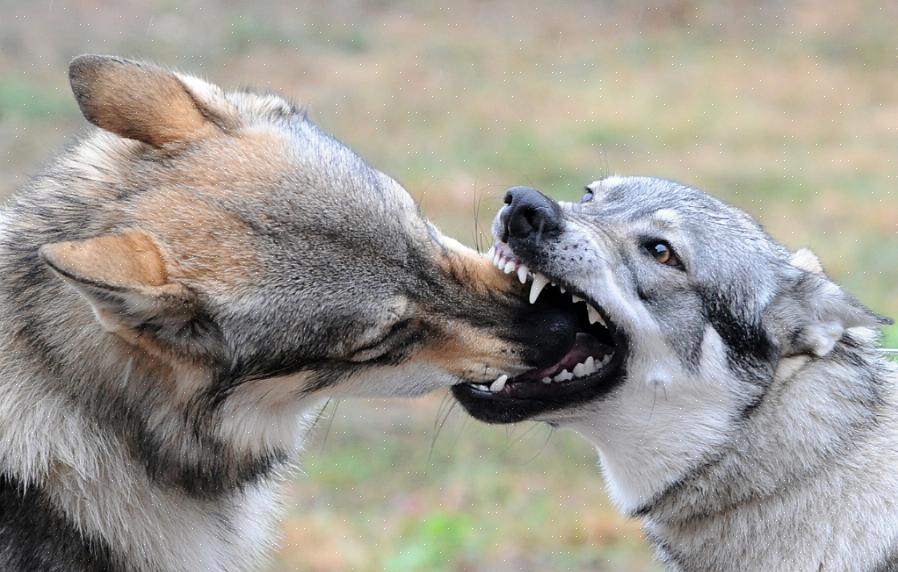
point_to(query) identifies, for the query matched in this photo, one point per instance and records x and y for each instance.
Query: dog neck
(116, 441)
(785, 489)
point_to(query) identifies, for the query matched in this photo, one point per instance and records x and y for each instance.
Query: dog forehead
(267, 200)
(668, 204)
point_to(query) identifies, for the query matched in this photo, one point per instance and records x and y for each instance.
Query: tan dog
(180, 290)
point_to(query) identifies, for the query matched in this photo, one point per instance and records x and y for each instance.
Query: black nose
(529, 213)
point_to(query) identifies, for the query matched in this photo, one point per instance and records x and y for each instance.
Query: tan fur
(212, 267)
(127, 260)
(139, 102)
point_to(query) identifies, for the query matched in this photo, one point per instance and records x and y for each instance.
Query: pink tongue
(584, 346)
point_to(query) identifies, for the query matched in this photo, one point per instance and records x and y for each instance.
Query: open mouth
(591, 367)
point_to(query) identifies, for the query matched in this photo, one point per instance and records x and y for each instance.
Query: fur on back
(180, 291)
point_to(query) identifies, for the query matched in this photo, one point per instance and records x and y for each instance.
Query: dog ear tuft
(814, 312)
(140, 101)
(123, 277)
(806, 260)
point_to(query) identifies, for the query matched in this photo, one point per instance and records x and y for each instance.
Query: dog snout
(528, 214)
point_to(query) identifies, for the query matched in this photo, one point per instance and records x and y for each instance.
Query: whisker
(543, 448)
(464, 425)
(519, 438)
(443, 401)
(477, 238)
(330, 421)
(436, 435)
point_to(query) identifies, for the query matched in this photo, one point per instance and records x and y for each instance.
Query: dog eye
(384, 344)
(588, 196)
(663, 253)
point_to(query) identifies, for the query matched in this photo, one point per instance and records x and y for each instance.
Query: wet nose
(529, 214)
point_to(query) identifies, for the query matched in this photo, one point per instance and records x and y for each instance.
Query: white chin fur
(649, 433)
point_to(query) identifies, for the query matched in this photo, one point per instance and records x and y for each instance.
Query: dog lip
(525, 395)
(523, 400)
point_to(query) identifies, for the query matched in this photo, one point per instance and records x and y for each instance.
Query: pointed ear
(813, 312)
(144, 102)
(123, 277)
(806, 260)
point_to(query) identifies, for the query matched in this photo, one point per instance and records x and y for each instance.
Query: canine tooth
(562, 289)
(539, 282)
(575, 298)
(546, 379)
(496, 258)
(580, 370)
(594, 316)
(590, 364)
(565, 375)
(509, 266)
(499, 384)
(491, 252)
(522, 273)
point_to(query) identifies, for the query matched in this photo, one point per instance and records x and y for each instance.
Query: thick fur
(754, 425)
(179, 292)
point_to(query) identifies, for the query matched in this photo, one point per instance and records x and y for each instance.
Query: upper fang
(594, 316)
(539, 282)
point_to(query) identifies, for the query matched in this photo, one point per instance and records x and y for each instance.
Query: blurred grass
(789, 110)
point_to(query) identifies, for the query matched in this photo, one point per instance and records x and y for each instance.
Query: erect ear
(145, 102)
(123, 277)
(806, 260)
(813, 312)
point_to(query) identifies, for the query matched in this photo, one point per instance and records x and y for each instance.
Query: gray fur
(178, 297)
(756, 424)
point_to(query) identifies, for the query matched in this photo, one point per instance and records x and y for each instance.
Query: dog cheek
(471, 354)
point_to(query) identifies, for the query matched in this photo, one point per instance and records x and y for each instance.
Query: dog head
(686, 308)
(225, 232)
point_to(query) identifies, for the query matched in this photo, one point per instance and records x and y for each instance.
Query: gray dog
(179, 292)
(735, 394)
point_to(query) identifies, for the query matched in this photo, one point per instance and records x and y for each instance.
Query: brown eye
(663, 253)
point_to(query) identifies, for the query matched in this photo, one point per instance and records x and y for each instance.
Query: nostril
(529, 212)
(523, 221)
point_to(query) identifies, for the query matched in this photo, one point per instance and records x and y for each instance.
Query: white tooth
(499, 384)
(509, 266)
(606, 359)
(522, 274)
(590, 364)
(546, 379)
(575, 298)
(497, 257)
(594, 316)
(562, 289)
(491, 252)
(565, 375)
(482, 387)
(539, 282)
(579, 370)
